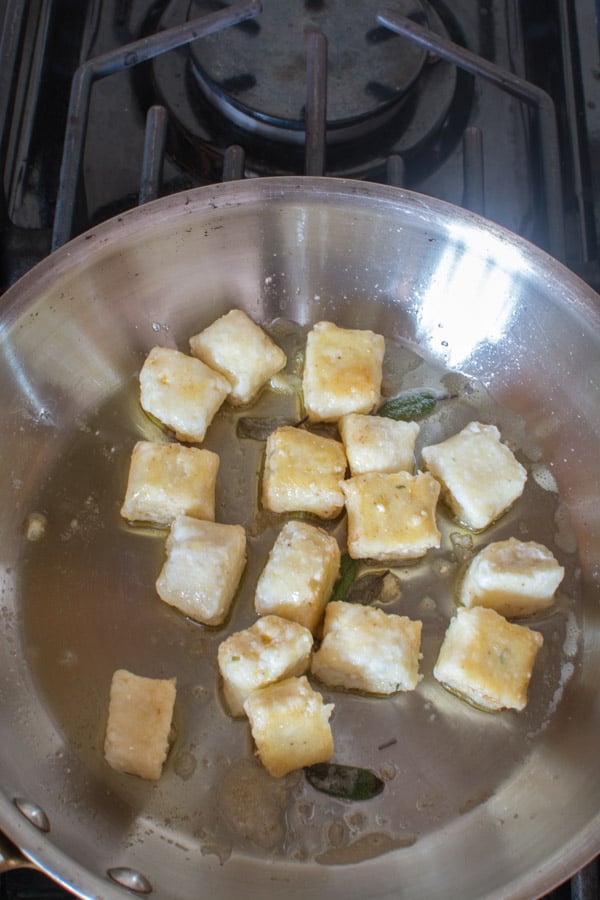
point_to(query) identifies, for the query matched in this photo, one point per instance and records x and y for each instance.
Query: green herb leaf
(348, 571)
(260, 427)
(411, 405)
(346, 782)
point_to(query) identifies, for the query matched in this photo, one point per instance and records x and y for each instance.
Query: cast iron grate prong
(517, 87)
(473, 176)
(234, 161)
(316, 103)
(154, 154)
(116, 61)
(395, 170)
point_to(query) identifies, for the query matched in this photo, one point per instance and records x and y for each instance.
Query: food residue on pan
(35, 526)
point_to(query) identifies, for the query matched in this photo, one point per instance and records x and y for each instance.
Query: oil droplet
(462, 545)
(35, 526)
(185, 764)
(544, 478)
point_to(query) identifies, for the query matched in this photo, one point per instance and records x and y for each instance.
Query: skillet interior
(80, 602)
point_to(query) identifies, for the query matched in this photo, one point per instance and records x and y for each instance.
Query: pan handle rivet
(33, 813)
(130, 879)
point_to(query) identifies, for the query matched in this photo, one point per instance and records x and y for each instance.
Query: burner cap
(249, 73)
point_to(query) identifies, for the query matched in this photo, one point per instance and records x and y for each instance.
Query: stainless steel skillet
(477, 805)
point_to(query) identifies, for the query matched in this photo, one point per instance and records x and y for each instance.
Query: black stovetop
(427, 124)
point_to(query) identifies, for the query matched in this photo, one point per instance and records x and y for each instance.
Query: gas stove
(453, 100)
(489, 104)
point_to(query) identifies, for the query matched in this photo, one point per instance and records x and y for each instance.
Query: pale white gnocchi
(140, 714)
(203, 566)
(342, 371)
(367, 649)
(299, 574)
(271, 649)
(480, 476)
(378, 444)
(240, 350)
(290, 725)
(516, 578)
(168, 480)
(488, 660)
(303, 473)
(391, 516)
(181, 392)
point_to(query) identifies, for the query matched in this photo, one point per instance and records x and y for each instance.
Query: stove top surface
(215, 97)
